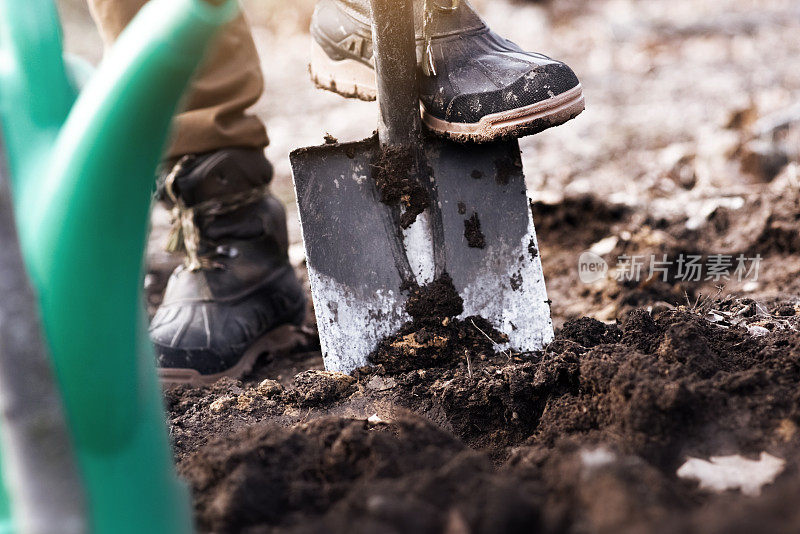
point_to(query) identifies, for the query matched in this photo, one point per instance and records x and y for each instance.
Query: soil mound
(439, 299)
(335, 474)
(584, 436)
(435, 338)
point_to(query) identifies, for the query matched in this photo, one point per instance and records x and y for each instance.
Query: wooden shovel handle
(396, 72)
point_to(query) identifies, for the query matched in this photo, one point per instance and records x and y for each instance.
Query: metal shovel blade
(356, 253)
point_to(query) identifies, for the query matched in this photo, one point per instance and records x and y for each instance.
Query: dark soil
(395, 173)
(498, 442)
(343, 475)
(433, 342)
(434, 337)
(472, 232)
(439, 299)
(447, 431)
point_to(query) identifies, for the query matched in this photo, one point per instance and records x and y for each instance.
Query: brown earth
(504, 442)
(446, 434)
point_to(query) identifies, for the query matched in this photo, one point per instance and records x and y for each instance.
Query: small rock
(379, 383)
(605, 246)
(750, 286)
(723, 473)
(322, 387)
(270, 388)
(244, 402)
(222, 403)
(375, 419)
(757, 331)
(599, 457)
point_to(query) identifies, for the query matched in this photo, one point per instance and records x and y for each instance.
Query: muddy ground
(689, 147)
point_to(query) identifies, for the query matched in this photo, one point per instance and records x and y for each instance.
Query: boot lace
(431, 8)
(184, 235)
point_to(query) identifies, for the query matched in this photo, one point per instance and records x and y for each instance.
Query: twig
(541, 362)
(496, 345)
(469, 365)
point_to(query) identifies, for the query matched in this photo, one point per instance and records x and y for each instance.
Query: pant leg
(225, 87)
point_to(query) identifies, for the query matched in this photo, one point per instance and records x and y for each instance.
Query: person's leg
(215, 113)
(236, 285)
(474, 84)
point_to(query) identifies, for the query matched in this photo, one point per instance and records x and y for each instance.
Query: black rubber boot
(236, 285)
(474, 84)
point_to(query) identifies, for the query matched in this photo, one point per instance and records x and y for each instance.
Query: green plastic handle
(87, 221)
(35, 92)
(82, 198)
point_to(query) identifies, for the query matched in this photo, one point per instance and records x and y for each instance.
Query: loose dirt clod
(394, 173)
(590, 332)
(434, 337)
(433, 342)
(532, 250)
(439, 299)
(316, 387)
(472, 232)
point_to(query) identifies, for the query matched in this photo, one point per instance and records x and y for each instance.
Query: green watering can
(81, 174)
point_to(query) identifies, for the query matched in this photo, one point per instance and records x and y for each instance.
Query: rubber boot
(236, 285)
(474, 84)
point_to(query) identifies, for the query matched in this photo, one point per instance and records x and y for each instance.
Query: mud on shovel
(460, 209)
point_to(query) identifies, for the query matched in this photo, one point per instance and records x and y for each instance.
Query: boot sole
(269, 342)
(348, 78)
(518, 122)
(352, 79)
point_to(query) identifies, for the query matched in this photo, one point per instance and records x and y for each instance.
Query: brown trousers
(227, 84)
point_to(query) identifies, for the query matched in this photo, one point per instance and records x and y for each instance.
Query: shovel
(463, 211)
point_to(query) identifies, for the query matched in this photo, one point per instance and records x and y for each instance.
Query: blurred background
(692, 111)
